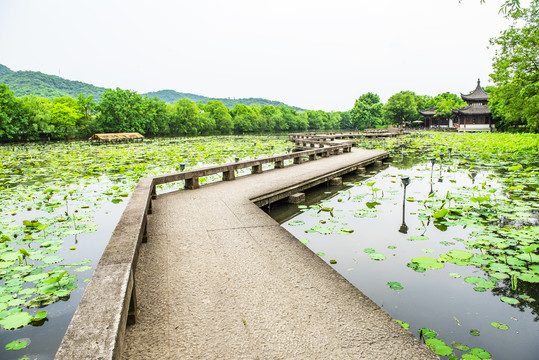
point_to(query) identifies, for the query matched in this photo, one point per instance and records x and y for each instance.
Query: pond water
(60, 202)
(469, 274)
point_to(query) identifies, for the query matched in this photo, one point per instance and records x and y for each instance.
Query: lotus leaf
(481, 353)
(16, 345)
(500, 326)
(16, 320)
(403, 324)
(427, 333)
(509, 300)
(427, 262)
(460, 254)
(395, 285)
(460, 346)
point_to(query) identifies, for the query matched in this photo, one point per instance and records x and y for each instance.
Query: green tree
(87, 108)
(220, 115)
(122, 111)
(401, 108)
(445, 103)
(10, 112)
(346, 120)
(64, 116)
(367, 111)
(37, 114)
(316, 120)
(515, 99)
(245, 118)
(185, 118)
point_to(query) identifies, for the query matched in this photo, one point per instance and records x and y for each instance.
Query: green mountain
(52, 86)
(47, 86)
(172, 96)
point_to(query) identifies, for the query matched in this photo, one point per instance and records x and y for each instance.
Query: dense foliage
(515, 99)
(33, 117)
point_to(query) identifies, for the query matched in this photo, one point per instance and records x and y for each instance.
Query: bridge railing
(97, 328)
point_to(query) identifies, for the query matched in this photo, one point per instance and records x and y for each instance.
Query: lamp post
(404, 228)
(236, 159)
(432, 162)
(450, 149)
(182, 167)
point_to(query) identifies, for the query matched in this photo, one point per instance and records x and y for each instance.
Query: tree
(445, 103)
(185, 118)
(245, 118)
(515, 99)
(37, 113)
(401, 108)
(367, 111)
(121, 111)
(87, 108)
(220, 115)
(10, 110)
(64, 116)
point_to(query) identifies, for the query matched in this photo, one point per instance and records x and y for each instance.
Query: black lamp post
(182, 167)
(450, 149)
(404, 228)
(432, 162)
(236, 159)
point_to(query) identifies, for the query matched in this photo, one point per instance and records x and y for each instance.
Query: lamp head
(405, 180)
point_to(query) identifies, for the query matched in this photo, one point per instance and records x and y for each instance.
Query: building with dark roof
(474, 117)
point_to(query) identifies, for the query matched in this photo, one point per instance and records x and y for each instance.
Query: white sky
(312, 54)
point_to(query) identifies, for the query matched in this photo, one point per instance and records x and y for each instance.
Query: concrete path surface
(220, 279)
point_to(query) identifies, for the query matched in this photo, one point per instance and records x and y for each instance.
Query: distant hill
(172, 96)
(47, 86)
(52, 86)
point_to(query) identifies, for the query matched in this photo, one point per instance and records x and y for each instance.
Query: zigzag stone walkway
(220, 279)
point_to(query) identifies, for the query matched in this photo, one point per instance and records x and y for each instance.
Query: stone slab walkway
(220, 279)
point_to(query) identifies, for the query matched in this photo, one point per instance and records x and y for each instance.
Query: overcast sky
(308, 53)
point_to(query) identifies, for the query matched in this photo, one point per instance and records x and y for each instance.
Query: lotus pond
(452, 256)
(59, 204)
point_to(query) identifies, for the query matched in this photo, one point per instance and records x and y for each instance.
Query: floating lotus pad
(460, 346)
(395, 285)
(509, 300)
(427, 262)
(500, 326)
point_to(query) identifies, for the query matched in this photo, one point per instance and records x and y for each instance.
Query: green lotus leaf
(475, 332)
(529, 277)
(403, 324)
(296, 222)
(86, 268)
(480, 282)
(427, 333)
(460, 346)
(427, 262)
(500, 326)
(16, 345)
(454, 275)
(509, 300)
(417, 237)
(395, 285)
(481, 353)
(460, 254)
(16, 320)
(470, 357)
(52, 259)
(377, 256)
